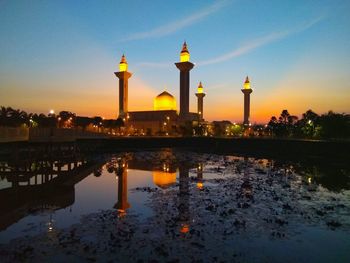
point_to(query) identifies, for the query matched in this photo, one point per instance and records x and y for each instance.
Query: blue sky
(62, 54)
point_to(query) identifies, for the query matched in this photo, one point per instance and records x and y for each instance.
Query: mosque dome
(164, 179)
(164, 101)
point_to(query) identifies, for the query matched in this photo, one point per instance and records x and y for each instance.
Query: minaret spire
(184, 66)
(123, 76)
(200, 95)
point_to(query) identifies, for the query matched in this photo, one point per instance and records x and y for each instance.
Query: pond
(171, 205)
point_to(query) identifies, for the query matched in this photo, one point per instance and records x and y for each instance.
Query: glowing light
(164, 179)
(164, 101)
(123, 65)
(52, 112)
(185, 228)
(246, 84)
(200, 185)
(184, 55)
(309, 180)
(200, 88)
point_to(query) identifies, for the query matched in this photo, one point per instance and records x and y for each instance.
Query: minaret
(184, 66)
(123, 76)
(246, 91)
(200, 95)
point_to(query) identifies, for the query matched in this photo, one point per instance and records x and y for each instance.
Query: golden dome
(163, 179)
(164, 101)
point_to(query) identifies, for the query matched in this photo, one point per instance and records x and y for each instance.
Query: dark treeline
(330, 125)
(311, 125)
(10, 117)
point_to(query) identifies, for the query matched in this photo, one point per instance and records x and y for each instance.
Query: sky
(62, 55)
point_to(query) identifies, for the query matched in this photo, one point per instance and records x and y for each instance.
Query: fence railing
(10, 134)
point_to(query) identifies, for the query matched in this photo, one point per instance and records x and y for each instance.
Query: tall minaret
(123, 76)
(246, 91)
(184, 66)
(200, 95)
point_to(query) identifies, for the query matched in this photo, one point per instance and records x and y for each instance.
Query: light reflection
(50, 224)
(122, 173)
(185, 228)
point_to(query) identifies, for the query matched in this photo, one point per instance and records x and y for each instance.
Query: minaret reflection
(200, 176)
(122, 174)
(184, 207)
(246, 187)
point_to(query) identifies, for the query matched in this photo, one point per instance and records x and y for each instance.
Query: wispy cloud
(249, 46)
(179, 24)
(259, 42)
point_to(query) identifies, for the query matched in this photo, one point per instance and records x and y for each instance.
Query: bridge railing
(61, 135)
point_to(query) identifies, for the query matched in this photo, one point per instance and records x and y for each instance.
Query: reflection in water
(249, 189)
(41, 183)
(184, 202)
(164, 178)
(200, 176)
(122, 175)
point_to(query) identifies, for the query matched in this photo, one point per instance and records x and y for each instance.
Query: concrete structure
(160, 122)
(200, 95)
(184, 66)
(246, 91)
(123, 76)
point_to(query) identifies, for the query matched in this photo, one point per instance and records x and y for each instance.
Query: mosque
(165, 119)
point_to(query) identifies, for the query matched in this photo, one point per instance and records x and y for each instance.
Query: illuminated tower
(200, 95)
(246, 91)
(123, 76)
(184, 66)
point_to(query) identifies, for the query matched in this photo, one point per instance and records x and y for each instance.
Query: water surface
(172, 200)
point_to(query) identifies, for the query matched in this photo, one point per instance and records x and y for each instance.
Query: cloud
(179, 24)
(245, 48)
(256, 43)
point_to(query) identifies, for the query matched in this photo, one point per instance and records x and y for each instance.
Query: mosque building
(164, 118)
